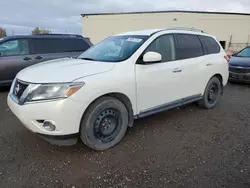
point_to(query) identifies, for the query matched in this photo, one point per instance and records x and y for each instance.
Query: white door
(159, 83)
(193, 63)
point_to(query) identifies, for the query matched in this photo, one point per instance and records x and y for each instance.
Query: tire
(104, 124)
(211, 98)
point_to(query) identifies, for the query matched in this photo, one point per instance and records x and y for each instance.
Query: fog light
(48, 125)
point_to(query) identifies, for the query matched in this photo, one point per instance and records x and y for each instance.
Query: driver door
(158, 84)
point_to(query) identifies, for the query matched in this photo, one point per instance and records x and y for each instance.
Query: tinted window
(72, 45)
(45, 45)
(210, 45)
(189, 46)
(164, 45)
(14, 47)
(58, 45)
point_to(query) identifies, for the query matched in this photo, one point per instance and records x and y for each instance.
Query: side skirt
(168, 106)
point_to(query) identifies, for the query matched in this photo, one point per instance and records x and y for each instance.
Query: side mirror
(152, 57)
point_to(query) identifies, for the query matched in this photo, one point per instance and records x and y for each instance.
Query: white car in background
(97, 95)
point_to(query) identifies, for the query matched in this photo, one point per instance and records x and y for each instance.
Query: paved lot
(186, 147)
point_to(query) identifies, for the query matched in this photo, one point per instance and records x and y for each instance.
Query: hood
(62, 70)
(240, 61)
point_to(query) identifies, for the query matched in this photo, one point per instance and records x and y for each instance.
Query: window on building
(223, 44)
(189, 46)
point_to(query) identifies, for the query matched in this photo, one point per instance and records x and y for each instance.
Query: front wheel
(212, 93)
(104, 123)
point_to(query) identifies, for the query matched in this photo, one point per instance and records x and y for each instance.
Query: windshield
(244, 53)
(114, 49)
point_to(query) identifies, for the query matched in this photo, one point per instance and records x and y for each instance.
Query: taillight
(227, 58)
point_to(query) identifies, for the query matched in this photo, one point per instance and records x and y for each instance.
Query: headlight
(52, 91)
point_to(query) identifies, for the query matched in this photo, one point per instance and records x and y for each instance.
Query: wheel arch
(121, 97)
(220, 77)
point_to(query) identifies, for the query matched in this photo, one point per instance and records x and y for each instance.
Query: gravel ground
(186, 147)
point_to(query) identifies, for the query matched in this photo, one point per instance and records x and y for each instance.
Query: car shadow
(147, 124)
(239, 83)
(4, 89)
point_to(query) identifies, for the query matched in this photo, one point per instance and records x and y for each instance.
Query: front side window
(114, 49)
(189, 46)
(14, 47)
(165, 46)
(244, 53)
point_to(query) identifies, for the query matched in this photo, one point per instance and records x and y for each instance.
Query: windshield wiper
(86, 58)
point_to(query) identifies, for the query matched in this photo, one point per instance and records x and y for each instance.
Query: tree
(2, 32)
(37, 30)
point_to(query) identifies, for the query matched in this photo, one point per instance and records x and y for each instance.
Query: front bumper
(239, 77)
(66, 114)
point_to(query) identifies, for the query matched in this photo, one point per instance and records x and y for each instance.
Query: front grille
(239, 70)
(19, 88)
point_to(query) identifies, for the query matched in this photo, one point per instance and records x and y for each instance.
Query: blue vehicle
(239, 66)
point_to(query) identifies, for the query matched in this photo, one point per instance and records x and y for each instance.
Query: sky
(64, 16)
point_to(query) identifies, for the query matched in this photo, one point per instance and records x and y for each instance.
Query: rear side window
(74, 45)
(210, 45)
(189, 46)
(58, 45)
(45, 46)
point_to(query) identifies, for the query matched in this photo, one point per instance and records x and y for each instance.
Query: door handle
(209, 64)
(38, 57)
(27, 58)
(177, 70)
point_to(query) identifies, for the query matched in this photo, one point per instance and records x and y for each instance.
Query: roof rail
(185, 28)
(55, 34)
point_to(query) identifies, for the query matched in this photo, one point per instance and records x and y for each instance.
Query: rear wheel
(104, 123)
(212, 93)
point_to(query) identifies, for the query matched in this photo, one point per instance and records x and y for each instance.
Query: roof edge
(166, 11)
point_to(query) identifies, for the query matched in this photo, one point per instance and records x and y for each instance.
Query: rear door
(213, 62)
(191, 58)
(14, 56)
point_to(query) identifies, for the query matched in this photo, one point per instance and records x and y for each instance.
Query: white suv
(97, 95)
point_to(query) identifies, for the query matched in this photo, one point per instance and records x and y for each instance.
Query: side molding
(168, 106)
